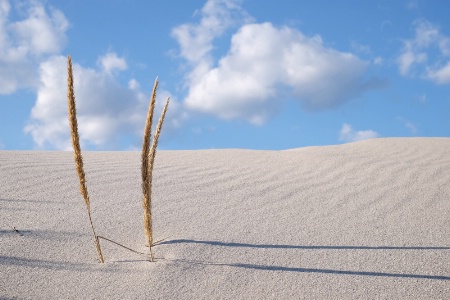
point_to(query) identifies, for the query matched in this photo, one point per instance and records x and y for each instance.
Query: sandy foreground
(366, 220)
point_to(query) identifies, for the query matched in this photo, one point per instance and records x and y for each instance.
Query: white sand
(367, 220)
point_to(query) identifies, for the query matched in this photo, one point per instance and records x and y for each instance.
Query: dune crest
(352, 221)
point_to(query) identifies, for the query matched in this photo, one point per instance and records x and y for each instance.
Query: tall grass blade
(77, 151)
(146, 181)
(148, 158)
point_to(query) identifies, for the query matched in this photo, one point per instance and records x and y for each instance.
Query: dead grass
(77, 151)
(148, 158)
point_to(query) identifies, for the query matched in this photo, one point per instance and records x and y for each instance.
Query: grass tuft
(148, 158)
(77, 151)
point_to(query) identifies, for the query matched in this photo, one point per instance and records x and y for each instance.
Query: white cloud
(41, 33)
(408, 58)
(196, 39)
(348, 134)
(25, 43)
(30, 49)
(106, 110)
(360, 48)
(442, 75)
(133, 84)
(263, 66)
(417, 55)
(378, 61)
(412, 5)
(423, 98)
(408, 124)
(110, 63)
(411, 127)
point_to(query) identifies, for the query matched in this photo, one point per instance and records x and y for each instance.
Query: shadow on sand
(308, 270)
(267, 246)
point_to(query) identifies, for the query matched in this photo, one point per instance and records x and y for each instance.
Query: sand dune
(366, 220)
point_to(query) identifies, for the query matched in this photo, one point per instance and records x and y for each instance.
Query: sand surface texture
(366, 220)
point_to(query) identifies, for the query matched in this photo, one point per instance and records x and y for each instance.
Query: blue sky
(254, 74)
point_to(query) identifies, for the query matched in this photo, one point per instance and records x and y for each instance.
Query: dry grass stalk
(77, 151)
(144, 169)
(148, 158)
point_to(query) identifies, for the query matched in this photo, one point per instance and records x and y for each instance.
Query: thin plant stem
(146, 190)
(148, 157)
(118, 244)
(151, 162)
(77, 151)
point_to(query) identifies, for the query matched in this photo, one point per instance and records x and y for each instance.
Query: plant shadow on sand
(307, 270)
(58, 265)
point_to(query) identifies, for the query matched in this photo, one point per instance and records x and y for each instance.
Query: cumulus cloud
(216, 16)
(107, 111)
(348, 134)
(196, 40)
(440, 75)
(25, 43)
(112, 63)
(417, 56)
(264, 65)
